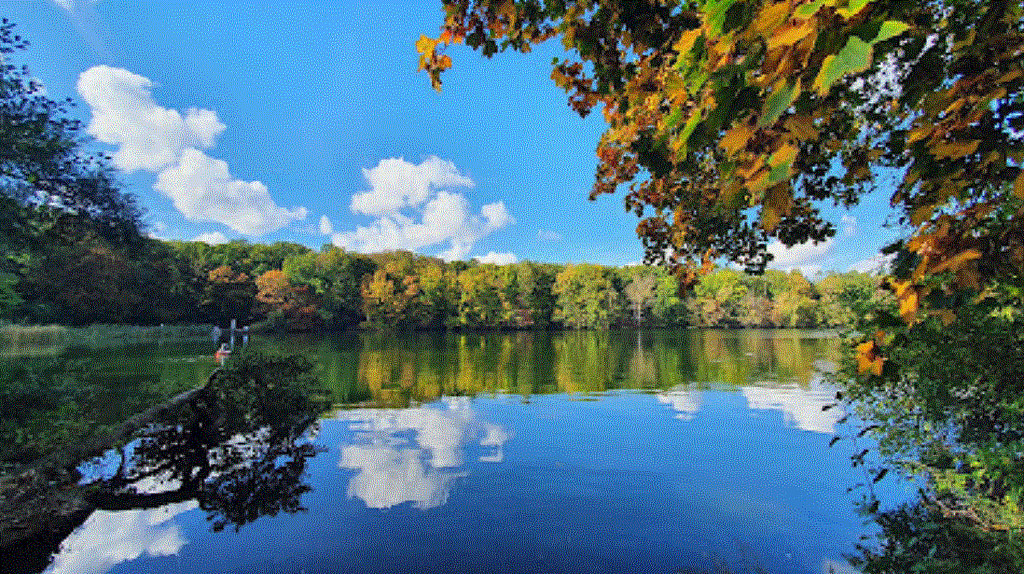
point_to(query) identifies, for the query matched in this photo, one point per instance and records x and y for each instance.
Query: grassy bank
(50, 340)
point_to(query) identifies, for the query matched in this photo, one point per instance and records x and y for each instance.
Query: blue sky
(308, 122)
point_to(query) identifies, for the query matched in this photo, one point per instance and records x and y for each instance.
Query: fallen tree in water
(235, 445)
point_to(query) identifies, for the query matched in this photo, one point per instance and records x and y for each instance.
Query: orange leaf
(868, 359)
(801, 126)
(954, 149)
(736, 138)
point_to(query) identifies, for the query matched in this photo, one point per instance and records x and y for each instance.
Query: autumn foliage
(732, 122)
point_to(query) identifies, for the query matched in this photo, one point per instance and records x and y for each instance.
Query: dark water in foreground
(544, 453)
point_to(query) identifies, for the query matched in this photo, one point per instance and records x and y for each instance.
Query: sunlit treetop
(731, 122)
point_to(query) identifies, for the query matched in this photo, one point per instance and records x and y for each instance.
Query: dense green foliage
(287, 286)
(946, 405)
(71, 247)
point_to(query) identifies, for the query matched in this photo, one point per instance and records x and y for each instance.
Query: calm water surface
(544, 453)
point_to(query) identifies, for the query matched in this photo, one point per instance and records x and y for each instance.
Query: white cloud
(411, 455)
(82, 14)
(805, 257)
(325, 226)
(547, 235)
(73, 5)
(157, 229)
(838, 566)
(875, 264)
(212, 238)
(412, 213)
(203, 190)
(849, 225)
(396, 183)
(153, 138)
(497, 258)
(110, 538)
(149, 136)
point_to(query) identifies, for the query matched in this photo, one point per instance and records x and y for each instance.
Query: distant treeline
(287, 286)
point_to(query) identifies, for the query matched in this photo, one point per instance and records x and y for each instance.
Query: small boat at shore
(222, 353)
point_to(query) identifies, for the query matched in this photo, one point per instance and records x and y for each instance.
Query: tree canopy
(734, 122)
(44, 163)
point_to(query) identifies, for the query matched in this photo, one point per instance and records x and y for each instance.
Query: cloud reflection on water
(801, 407)
(685, 402)
(110, 538)
(412, 455)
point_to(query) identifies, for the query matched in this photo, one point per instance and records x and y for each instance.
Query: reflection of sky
(109, 538)
(411, 455)
(801, 408)
(686, 403)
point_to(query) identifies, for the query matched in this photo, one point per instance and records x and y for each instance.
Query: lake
(681, 451)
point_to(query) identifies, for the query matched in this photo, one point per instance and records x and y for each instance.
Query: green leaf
(777, 104)
(890, 29)
(808, 10)
(716, 9)
(854, 57)
(673, 119)
(853, 8)
(687, 130)
(779, 173)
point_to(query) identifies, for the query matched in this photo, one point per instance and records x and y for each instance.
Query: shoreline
(42, 502)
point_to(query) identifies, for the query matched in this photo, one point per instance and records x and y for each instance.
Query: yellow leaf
(1018, 186)
(736, 138)
(687, 40)
(425, 44)
(957, 262)
(790, 35)
(919, 133)
(772, 17)
(908, 305)
(784, 155)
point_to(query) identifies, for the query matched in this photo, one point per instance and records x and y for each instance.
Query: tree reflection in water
(239, 447)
